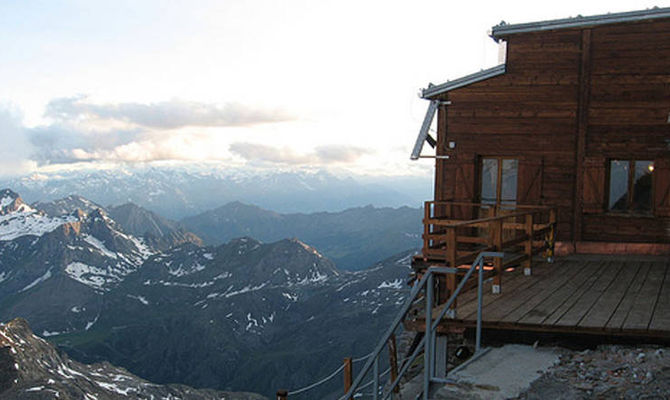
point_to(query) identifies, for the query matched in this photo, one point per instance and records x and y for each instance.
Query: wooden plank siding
(571, 99)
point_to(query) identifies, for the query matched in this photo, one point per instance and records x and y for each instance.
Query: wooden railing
(455, 232)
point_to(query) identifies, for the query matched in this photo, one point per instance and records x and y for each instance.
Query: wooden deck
(591, 294)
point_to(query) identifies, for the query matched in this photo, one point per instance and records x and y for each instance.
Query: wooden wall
(570, 100)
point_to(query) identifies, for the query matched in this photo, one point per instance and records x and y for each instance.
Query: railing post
(497, 238)
(452, 255)
(375, 379)
(282, 394)
(552, 235)
(426, 229)
(480, 295)
(428, 337)
(393, 360)
(348, 374)
(528, 245)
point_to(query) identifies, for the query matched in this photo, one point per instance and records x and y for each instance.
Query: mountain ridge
(352, 238)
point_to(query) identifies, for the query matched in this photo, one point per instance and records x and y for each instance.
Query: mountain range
(177, 192)
(242, 316)
(354, 238)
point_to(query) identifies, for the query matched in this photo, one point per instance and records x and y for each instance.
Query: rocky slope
(158, 232)
(280, 310)
(31, 368)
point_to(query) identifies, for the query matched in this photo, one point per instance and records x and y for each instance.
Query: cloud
(340, 153)
(81, 130)
(15, 149)
(330, 154)
(259, 152)
(57, 143)
(164, 115)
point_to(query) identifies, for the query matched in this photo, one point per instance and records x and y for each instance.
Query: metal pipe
(427, 349)
(480, 283)
(451, 300)
(387, 335)
(375, 384)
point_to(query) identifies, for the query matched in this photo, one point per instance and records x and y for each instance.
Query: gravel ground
(608, 372)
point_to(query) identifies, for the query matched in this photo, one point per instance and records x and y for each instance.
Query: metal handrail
(428, 339)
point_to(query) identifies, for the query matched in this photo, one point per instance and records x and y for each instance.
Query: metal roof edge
(503, 29)
(434, 90)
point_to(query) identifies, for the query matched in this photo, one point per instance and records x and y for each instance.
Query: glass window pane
(618, 199)
(510, 170)
(642, 185)
(489, 180)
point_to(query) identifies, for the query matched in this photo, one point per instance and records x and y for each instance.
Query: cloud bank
(15, 149)
(322, 155)
(164, 115)
(81, 130)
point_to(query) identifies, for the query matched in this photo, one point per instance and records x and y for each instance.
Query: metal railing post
(428, 336)
(480, 284)
(375, 384)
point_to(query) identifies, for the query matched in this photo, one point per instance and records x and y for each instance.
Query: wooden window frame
(630, 189)
(480, 165)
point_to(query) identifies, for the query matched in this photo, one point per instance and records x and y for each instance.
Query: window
(630, 186)
(498, 180)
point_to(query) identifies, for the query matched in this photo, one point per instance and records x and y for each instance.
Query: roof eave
(502, 30)
(435, 90)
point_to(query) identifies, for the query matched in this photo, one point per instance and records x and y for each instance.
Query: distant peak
(8, 193)
(10, 202)
(245, 240)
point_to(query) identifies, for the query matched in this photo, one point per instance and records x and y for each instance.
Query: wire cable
(315, 384)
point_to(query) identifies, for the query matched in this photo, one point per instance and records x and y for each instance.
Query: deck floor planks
(604, 307)
(499, 310)
(511, 289)
(586, 301)
(469, 309)
(549, 305)
(661, 318)
(640, 314)
(584, 287)
(627, 295)
(619, 316)
(540, 292)
(511, 278)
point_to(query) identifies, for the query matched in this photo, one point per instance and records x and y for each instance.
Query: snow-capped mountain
(31, 368)
(18, 219)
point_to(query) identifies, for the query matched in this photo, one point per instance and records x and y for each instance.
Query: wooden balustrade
(455, 232)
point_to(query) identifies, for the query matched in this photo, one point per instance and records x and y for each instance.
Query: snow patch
(98, 244)
(141, 299)
(396, 284)
(37, 281)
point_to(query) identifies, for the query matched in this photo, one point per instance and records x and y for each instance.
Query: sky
(251, 84)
